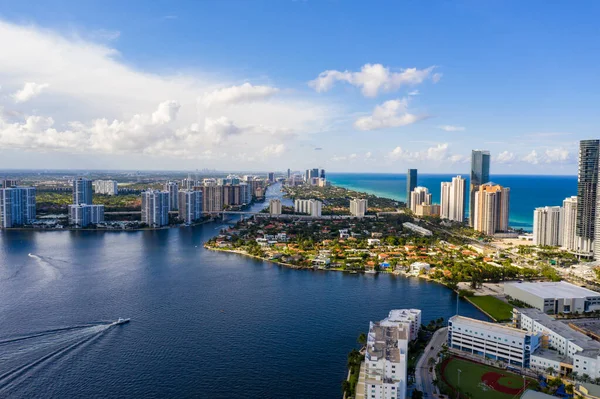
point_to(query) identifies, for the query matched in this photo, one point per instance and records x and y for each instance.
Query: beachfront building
(83, 215)
(311, 207)
(386, 360)
(155, 208)
(189, 205)
(547, 226)
(275, 207)
(419, 196)
(587, 189)
(411, 184)
(427, 210)
(554, 297)
(106, 187)
(452, 199)
(411, 318)
(480, 174)
(492, 341)
(569, 224)
(358, 207)
(17, 206)
(491, 208)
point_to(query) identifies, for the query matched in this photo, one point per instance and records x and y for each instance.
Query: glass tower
(411, 183)
(480, 174)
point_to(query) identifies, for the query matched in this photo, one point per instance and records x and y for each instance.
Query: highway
(423, 378)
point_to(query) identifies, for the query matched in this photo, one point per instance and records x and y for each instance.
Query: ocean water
(204, 324)
(527, 192)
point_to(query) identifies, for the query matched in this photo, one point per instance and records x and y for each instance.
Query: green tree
(362, 339)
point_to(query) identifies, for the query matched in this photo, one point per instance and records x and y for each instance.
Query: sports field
(501, 311)
(481, 381)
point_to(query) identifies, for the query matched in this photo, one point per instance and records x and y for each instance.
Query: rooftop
(382, 342)
(559, 289)
(491, 327)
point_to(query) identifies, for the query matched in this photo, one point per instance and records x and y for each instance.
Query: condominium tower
(569, 224)
(17, 206)
(82, 191)
(275, 207)
(358, 207)
(107, 187)
(419, 196)
(547, 226)
(411, 184)
(83, 215)
(491, 205)
(173, 189)
(480, 174)
(453, 199)
(155, 208)
(190, 205)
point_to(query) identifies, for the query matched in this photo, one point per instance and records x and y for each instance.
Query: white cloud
(218, 130)
(505, 157)
(531, 158)
(29, 91)
(436, 153)
(392, 113)
(414, 93)
(238, 94)
(372, 79)
(273, 150)
(557, 155)
(451, 128)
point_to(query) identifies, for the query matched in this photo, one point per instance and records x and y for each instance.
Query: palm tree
(575, 376)
(550, 370)
(362, 339)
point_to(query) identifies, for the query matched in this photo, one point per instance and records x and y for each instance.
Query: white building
(554, 297)
(155, 208)
(17, 206)
(106, 187)
(411, 318)
(386, 361)
(416, 268)
(275, 207)
(491, 208)
(312, 207)
(547, 226)
(358, 207)
(445, 200)
(173, 189)
(190, 205)
(417, 229)
(457, 199)
(419, 196)
(82, 191)
(492, 341)
(569, 224)
(83, 215)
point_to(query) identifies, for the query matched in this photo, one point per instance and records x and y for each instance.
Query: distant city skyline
(89, 86)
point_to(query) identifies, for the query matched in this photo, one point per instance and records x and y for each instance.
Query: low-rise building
(554, 297)
(417, 229)
(417, 267)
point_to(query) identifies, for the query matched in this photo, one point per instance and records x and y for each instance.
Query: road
(423, 378)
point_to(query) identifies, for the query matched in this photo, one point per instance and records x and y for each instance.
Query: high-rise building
(289, 173)
(212, 198)
(17, 206)
(82, 191)
(173, 189)
(155, 208)
(480, 174)
(311, 207)
(546, 226)
(322, 175)
(106, 187)
(419, 196)
(411, 184)
(358, 207)
(569, 224)
(491, 208)
(83, 215)
(190, 205)
(271, 177)
(386, 360)
(587, 197)
(6, 183)
(452, 203)
(275, 207)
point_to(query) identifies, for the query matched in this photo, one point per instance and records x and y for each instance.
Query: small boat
(121, 321)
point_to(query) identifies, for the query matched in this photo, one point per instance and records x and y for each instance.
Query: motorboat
(121, 321)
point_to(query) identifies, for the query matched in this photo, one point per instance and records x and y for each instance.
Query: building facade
(173, 189)
(106, 187)
(547, 226)
(275, 207)
(587, 196)
(419, 196)
(190, 205)
(155, 208)
(480, 174)
(212, 198)
(83, 215)
(569, 224)
(311, 207)
(17, 206)
(358, 207)
(82, 191)
(411, 184)
(491, 208)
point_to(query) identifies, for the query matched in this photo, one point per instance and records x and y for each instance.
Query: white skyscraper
(155, 208)
(275, 207)
(190, 205)
(173, 189)
(546, 226)
(445, 200)
(419, 196)
(17, 206)
(569, 224)
(358, 207)
(107, 187)
(311, 207)
(458, 199)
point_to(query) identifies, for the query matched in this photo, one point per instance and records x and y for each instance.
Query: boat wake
(50, 270)
(22, 355)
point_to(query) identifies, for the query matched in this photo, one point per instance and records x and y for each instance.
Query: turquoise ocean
(527, 191)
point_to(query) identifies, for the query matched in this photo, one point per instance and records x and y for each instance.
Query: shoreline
(107, 230)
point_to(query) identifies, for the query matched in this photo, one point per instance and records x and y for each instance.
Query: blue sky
(226, 84)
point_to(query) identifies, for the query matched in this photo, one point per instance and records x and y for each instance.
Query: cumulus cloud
(238, 94)
(392, 113)
(373, 79)
(451, 128)
(505, 157)
(273, 150)
(532, 158)
(414, 93)
(549, 156)
(438, 153)
(29, 91)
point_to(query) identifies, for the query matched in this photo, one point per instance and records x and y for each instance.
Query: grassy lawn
(470, 379)
(501, 311)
